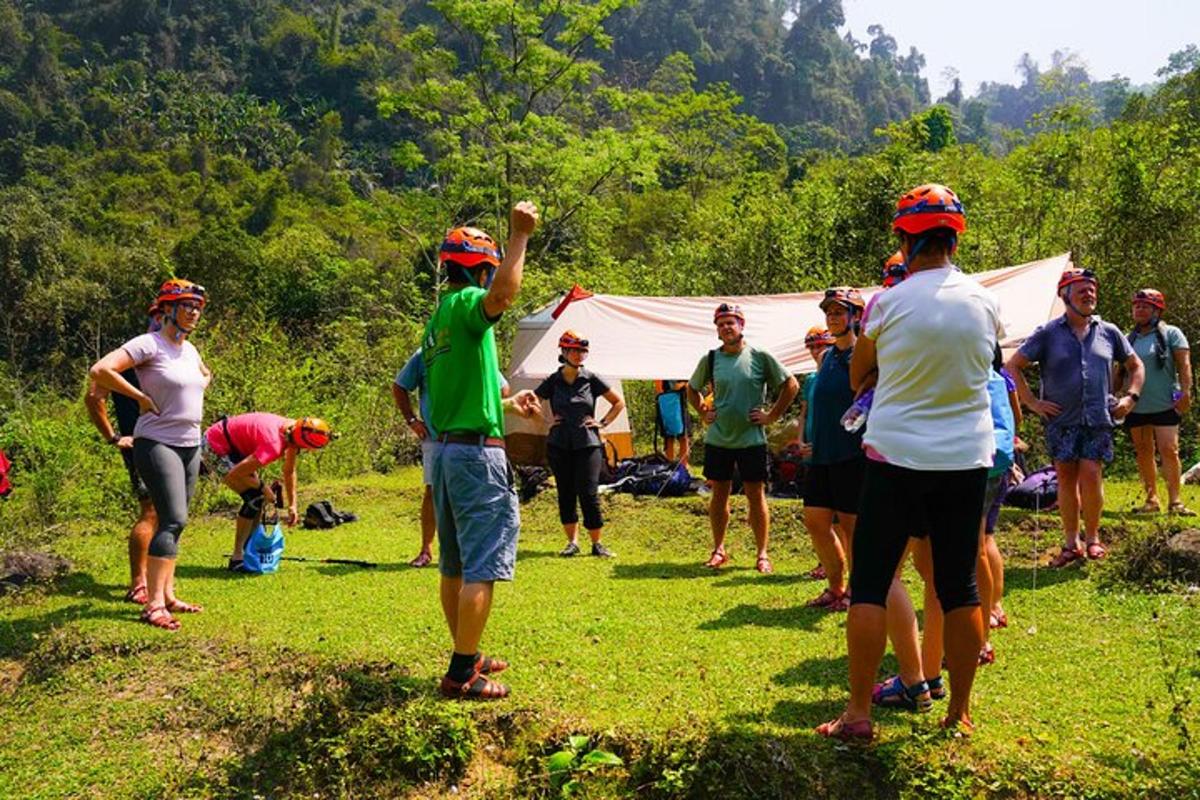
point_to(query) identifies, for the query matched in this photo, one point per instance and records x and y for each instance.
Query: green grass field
(708, 684)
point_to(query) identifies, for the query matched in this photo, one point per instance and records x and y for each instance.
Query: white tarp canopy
(650, 338)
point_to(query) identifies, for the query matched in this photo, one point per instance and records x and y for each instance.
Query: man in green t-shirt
(473, 495)
(740, 377)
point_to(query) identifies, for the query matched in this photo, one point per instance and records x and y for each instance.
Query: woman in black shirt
(574, 448)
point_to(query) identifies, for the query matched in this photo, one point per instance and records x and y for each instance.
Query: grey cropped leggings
(170, 474)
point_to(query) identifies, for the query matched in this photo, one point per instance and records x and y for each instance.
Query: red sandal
(490, 666)
(860, 730)
(477, 687)
(160, 617)
(718, 559)
(830, 600)
(1096, 551)
(138, 594)
(1066, 557)
(817, 573)
(763, 565)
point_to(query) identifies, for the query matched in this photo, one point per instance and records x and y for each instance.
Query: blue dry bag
(263, 550)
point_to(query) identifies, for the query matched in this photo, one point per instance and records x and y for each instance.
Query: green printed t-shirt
(462, 371)
(740, 385)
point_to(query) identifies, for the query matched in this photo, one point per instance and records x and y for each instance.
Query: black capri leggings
(577, 474)
(897, 503)
(170, 475)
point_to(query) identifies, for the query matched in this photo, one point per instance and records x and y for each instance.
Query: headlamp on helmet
(847, 296)
(729, 310)
(1076, 275)
(570, 340)
(1152, 296)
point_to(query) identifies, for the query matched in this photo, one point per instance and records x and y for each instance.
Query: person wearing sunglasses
(835, 474)
(166, 439)
(236, 448)
(1076, 354)
(740, 377)
(574, 447)
(1166, 396)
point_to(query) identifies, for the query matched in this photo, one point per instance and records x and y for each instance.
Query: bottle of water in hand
(856, 416)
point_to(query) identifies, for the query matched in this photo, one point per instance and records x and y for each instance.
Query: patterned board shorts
(1079, 443)
(216, 463)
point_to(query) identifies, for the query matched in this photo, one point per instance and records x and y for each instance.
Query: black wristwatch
(1135, 396)
(116, 437)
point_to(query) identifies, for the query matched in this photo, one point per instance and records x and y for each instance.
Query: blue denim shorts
(1079, 442)
(478, 517)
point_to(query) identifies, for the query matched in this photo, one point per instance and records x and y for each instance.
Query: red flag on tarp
(5, 486)
(577, 293)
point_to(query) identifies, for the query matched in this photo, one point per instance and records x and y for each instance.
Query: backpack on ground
(318, 516)
(1038, 492)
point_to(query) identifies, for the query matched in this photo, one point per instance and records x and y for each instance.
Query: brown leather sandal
(160, 617)
(477, 687)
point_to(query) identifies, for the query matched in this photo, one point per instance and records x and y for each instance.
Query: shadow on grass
(18, 637)
(1024, 577)
(660, 569)
(748, 578)
(818, 671)
(746, 615)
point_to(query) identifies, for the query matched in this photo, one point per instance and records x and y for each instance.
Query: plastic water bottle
(856, 416)
(1176, 395)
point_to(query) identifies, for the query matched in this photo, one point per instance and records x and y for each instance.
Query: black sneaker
(601, 551)
(572, 549)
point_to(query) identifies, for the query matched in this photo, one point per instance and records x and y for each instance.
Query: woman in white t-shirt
(166, 445)
(931, 340)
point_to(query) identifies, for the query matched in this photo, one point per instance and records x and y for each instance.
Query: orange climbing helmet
(1152, 296)
(309, 433)
(176, 289)
(729, 310)
(1076, 275)
(928, 207)
(570, 340)
(895, 269)
(848, 296)
(470, 248)
(818, 336)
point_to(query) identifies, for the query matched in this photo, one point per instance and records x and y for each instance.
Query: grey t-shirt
(171, 374)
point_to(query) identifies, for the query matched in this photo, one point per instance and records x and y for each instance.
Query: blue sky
(984, 40)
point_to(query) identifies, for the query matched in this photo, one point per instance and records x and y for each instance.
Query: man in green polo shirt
(740, 376)
(474, 499)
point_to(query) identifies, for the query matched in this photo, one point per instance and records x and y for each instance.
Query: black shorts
(135, 480)
(1159, 419)
(751, 463)
(835, 486)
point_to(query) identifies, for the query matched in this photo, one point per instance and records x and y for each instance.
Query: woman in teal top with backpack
(1166, 395)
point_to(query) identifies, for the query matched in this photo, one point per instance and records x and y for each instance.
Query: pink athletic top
(255, 434)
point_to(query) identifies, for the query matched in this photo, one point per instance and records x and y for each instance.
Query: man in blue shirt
(1076, 354)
